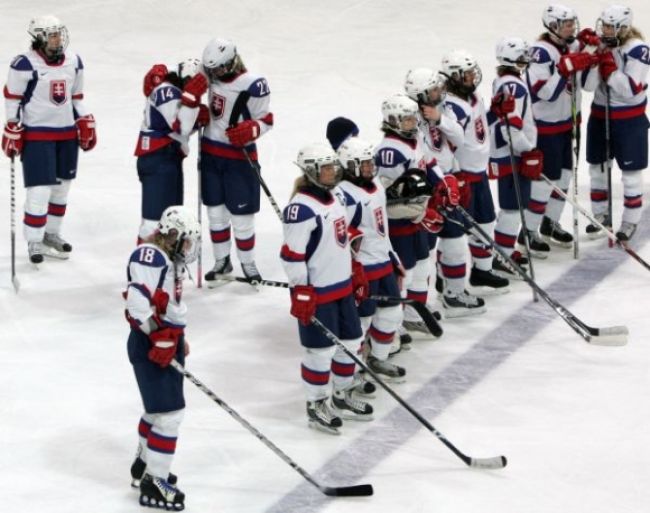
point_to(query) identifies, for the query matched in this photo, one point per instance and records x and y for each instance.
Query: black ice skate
(404, 338)
(350, 407)
(538, 248)
(553, 232)
(505, 270)
(35, 250)
(251, 273)
(362, 386)
(155, 492)
(462, 304)
(487, 283)
(221, 266)
(594, 231)
(137, 472)
(322, 418)
(626, 231)
(55, 241)
(386, 370)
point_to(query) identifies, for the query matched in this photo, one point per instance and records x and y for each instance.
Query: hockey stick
(241, 279)
(606, 229)
(609, 160)
(12, 192)
(515, 179)
(575, 137)
(429, 318)
(610, 336)
(199, 259)
(484, 463)
(254, 165)
(331, 491)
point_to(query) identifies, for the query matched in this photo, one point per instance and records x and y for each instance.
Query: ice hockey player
(239, 114)
(441, 134)
(339, 130)
(513, 136)
(554, 77)
(621, 79)
(157, 316)
(47, 122)
(366, 197)
(324, 284)
(172, 111)
(466, 106)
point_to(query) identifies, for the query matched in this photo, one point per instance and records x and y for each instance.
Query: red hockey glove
(244, 133)
(12, 139)
(432, 220)
(532, 164)
(193, 90)
(607, 65)
(502, 104)
(153, 78)
(159, 301)
(360, 286)
(573, 62)
(447, 193)
(303, 303)
(588, 37)
(203, 119)
(355, 236)
(465, 193)
(163, 345)
(86, 132)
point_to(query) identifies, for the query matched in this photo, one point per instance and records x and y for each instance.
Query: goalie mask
(356, 157)
(399, 113)
(49, 36)
(561, 22)
(462, 71)
(425, 86)
(182, 233)
(221, 60)
(613, 24)
(513, 52)
(320, 165)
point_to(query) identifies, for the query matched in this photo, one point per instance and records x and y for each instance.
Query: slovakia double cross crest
(58, 92)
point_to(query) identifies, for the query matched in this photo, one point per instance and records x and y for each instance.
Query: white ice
(573, 419)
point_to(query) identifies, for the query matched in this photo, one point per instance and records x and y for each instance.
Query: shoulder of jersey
(540, 52)
(296, 212)
(255, 85)
(149, 255)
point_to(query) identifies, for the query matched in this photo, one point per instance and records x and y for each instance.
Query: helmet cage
(352, 154)
(616, 16)
(311, 159)
(42, 28)
(182, 232)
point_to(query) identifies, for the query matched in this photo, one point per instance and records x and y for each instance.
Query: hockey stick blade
(612, 336)
(429, 318)
(364, 490)
(488, 463)
(16, 284)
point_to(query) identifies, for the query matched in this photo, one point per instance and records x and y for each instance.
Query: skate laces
(353, 402)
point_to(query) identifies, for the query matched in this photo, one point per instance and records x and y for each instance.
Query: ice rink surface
(573, 419)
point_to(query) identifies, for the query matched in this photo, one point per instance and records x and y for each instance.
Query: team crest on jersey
(58, 90)
(218, 105)
(340, 232)
(379, 221)
(436, 138)
(479, 130)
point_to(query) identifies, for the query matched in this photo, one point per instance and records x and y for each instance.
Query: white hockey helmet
(555, 16)
(398, 109)
(617, 16)
(420, 82)
(180, 225)
(313, 157)
(456, 64)
(513, 52)
(219, 59)
(188, 68)
(42, 27)
(352, 153)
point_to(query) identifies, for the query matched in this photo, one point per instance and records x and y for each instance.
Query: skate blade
(58, 255)
(540, 255)
(454, 313)
(557, 243)
(216, 283)
(350, 415)
(395, 380)
(317, 426)
(483, 291)
(151, 502)
(509, 276)
(596, 236)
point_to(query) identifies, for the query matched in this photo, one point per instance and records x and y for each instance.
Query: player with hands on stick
(47, 123)
(172, 114)
(157, 316)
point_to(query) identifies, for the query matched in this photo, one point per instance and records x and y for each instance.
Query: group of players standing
(364, 223)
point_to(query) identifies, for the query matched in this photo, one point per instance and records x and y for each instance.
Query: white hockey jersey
(150, 268)
(523, 130)
(250, 95)
(368, 204)
(46, 98)
(472, 156)
(627, 85)
(316, 250)
(166, 120)
(550, 91)
(439, 141)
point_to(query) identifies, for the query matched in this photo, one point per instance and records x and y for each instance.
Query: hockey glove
(502, 104)
(447, 194)
(203, 119)
(532, 164)
(303, 303)
(12, 139)
(355, 236)
(153, 78)
(163, 345)
(360, 286)
(432, 221)
(193, 90)
(588, 37)
(159, 301)
(86, 132)
(244, 133)
(465, 193)
(571, 63)
(607, 65)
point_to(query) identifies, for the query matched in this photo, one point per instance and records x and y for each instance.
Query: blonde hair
(298, 184)
(630, 33)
